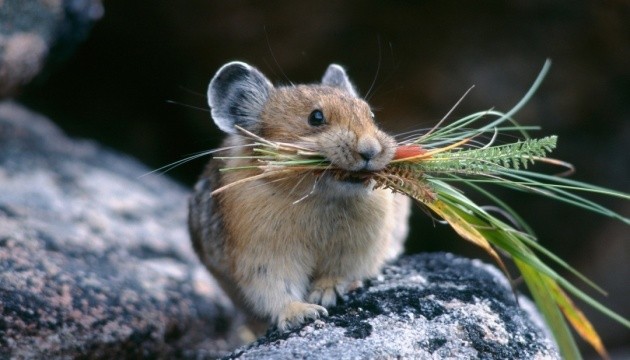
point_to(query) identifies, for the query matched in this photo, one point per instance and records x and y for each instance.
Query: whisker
(188, 106)
(368, 94)
(273, 56)
(190, 91)
(168, 167)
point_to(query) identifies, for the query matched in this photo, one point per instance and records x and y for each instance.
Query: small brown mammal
(286, 248)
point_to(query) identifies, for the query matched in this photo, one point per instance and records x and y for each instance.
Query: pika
(284, 249)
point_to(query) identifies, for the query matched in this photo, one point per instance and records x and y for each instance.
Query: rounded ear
(335, 76)
(237, 94)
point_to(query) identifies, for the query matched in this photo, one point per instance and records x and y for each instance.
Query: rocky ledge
(428, 306)
(94, 260)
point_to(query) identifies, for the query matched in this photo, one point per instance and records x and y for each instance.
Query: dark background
(420, 55)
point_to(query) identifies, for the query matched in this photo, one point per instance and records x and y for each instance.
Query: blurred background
(138, 83)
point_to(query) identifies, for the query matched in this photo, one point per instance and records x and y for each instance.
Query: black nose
(368, 147)
(368, 154)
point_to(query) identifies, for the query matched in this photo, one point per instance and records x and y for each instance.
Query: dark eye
(316, 118)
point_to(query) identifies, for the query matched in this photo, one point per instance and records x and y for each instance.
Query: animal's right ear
(237, 95)
(336, 76)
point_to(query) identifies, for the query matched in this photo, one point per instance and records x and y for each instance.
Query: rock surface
(429, 306)
(95, 261)
(31, 30)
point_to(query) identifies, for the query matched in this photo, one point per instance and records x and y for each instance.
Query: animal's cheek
(389, 147)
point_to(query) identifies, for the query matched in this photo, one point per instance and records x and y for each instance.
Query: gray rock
(31, 30)
(429, 306)
(95, 261)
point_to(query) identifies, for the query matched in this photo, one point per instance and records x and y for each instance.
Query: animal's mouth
(353, 177)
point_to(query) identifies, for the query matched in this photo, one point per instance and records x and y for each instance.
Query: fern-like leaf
(490, 159)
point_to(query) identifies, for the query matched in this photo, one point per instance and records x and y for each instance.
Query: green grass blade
(550, 311)
(514, 243)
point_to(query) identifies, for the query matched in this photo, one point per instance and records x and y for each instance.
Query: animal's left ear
(335, 76)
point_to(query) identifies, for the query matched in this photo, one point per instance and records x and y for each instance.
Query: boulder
(427, 306)
(95, 260)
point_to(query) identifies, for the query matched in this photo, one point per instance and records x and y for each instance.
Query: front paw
(296, 313)
(325, 291)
